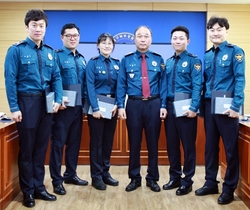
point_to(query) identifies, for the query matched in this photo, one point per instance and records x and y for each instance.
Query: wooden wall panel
(179, 7)
(9, 181)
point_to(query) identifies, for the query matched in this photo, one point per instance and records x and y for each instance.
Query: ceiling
(172, 1)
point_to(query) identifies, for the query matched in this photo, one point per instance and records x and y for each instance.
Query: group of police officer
(31, 67)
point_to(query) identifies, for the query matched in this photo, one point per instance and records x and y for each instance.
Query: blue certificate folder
(219, 93)
(182, 102)
(77, 88)
(106, 104)
(71, 96)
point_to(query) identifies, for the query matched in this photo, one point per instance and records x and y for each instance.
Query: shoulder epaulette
(48, 46)
(115, 59)
(230, 45)
(209, 50)
(59, 50)
(94, 58)
(129, 54)
(18, 43)
(155, 53)
(192, 55)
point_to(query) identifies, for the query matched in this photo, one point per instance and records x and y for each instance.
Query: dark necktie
(77, 69)
(214, 67)
(174, 73)
(107, 62)
(145, 81)
(40, 64)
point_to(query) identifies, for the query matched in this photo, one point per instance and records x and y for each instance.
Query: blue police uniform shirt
(230, 72)
(130, 82)
(188, 77)
(98, 80)
(22, 71)
(68, 63)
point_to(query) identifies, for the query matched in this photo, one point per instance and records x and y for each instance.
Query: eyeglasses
(70, 36)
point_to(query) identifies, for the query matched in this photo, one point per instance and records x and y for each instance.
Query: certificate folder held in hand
(106, 105)
(219, 93)
(78, 90)
(50, 100)
(182, 102)
(222, 104)
(70, 95)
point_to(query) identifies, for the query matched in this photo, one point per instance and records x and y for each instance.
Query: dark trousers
(143, 115)
(66, 131)
(181, 129)
(217, 126)
(34, 131)
(101, 142)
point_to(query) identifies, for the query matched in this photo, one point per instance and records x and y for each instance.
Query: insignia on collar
(239, 57)
(197, 66)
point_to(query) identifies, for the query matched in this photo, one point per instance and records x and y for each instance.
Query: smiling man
(30, 68)
(184, 76)
(67, 127)
(224, 71)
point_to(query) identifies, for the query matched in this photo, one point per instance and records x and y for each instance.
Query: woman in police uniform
(101, 77)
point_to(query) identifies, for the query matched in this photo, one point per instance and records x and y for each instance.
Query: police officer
(30, 69)
(67, 127)
(145, 107)
(101, 75)
(224, 71)
(184, 77)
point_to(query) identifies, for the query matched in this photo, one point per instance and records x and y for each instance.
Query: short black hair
(35, 15)
(69, 26)
(143, 27)
(223, 22)
(105, 36)
(180, 28)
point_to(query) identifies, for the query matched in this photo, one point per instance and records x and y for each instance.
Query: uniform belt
(170, 99)
(143, 98)
(31, 94)
(109, 95)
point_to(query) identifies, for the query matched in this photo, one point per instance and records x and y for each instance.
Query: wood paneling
(9, 182)
(120, 152)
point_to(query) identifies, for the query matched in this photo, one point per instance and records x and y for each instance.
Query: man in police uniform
(184, 77)
(30, 69)
(142, 112)
(67, 127)
(224, 71)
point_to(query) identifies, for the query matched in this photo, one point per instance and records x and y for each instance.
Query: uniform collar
(103, 57)
(68, 51)
(138, 53)
(182, 55)
(32, 43)
(221, 46)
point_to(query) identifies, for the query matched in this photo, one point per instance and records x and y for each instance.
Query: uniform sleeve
(56, 81)
(163, 85)
(121, 85)
(90, 83)
(196, 74)
(239, 76)
(11, 67)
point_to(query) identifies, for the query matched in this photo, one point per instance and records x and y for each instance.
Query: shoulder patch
(239, 57)
(197, 66)
(20, 42)
(129, 54)
(48, 46)
(192, 55)
(94, 58)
